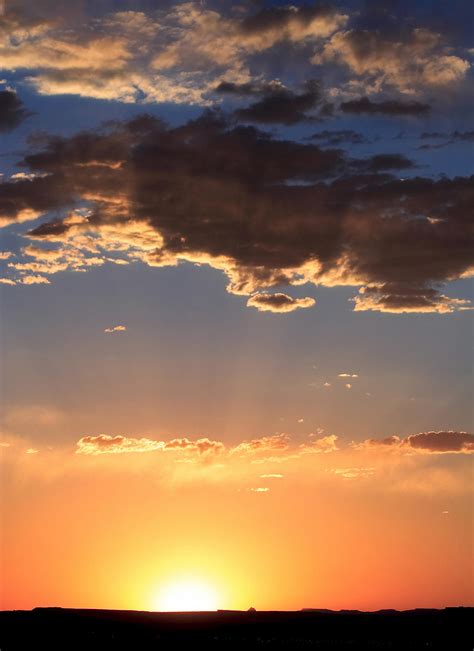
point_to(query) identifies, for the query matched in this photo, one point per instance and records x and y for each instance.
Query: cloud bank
(279, 447)
(179, 52)
(266, 211)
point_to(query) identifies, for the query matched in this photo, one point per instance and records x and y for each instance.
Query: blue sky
(194, 359)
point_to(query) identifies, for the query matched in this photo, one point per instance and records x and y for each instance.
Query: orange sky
(340, 526)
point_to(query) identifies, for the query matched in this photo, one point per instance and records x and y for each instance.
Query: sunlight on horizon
(190, 595)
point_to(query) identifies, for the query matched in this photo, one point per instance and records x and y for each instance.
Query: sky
(236, 259)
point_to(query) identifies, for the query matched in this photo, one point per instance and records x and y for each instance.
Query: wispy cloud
(353, 473)
(416, 59)
(117, 328)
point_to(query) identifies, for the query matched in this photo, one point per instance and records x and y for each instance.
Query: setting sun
(186, 595)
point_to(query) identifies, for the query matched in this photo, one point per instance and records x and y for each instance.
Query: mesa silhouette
(61, 628)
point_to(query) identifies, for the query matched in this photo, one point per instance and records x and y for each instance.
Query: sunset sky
(236, 304)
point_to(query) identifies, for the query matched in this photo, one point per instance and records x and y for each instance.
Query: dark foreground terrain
(58, 628)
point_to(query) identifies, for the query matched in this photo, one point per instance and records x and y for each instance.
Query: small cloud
(389, 107)
(279, 303)
(352, 473)
(7, 281)
(202, 446)
(348, 386)
(444, 442)
(278, 105)
(272, 475)
(445, 512)
(327, 384)
(32, 451)
(325, 444)
(439, 442)
(118, 261)
(259, 490)
(275, 443)
(34, 280)
(117, 328)
(319, 432)
(300, 420)
(339, 136)
(354, 375)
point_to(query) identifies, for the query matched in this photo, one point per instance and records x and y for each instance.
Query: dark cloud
(462, 136)
(390, 16)
(283, 106)
(432, 135)
(399, 297)
(433, 146)
(450, 138)
(387, 107)
(242, 90)
(50, 230)
(339, 136)
(434, 442)
(442, 441)
(12, 110)
(271, 19)
(453, 136)
(265, 211)
(385, 162)
(23, 197)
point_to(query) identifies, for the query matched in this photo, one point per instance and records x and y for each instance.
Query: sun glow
(186, 595)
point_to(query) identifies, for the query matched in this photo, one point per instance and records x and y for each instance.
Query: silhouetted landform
(58, 628)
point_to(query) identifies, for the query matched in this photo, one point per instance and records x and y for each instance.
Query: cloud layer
(268, 212)
(266, 446)
(279, 447)
(175, 53)
(181, 51)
